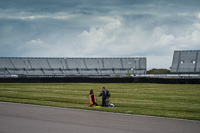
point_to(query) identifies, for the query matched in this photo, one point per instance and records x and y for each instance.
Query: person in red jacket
(92, 98)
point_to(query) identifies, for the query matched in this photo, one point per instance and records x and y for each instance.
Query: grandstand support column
(62, 68)
(4, 72)
(26, 69)
(139, 63)
(178, 61)
(30, 65)
(78, 71)
(48, 64)
(62, 71)
(113, 70)
(65, 59)
(135, 66)
(102, 63)
(7, 71)
(99, 68)
(42, 70)
(196, 61)
(121, 63)
(12, 63)
(84, 63)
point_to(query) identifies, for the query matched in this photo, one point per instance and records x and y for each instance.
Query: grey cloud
(50, 6)
(149, 28)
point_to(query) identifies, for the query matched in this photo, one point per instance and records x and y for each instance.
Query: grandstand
(186, 62)
(32, 66)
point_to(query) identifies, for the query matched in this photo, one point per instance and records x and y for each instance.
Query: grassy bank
(176, 101)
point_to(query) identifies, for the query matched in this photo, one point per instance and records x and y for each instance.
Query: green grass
(175, 101)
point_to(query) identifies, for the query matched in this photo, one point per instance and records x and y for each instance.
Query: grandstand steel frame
(186, 61)
(72, 66)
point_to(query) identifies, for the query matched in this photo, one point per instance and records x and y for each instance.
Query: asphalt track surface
(23, 118)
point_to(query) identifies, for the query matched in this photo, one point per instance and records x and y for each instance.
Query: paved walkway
(22, 118)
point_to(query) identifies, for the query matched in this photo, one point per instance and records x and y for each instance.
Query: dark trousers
(103, 103)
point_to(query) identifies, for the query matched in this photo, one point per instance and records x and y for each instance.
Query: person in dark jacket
(105, 97)
(92, 98)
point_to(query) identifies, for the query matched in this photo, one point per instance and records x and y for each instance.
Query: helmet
(111, 105)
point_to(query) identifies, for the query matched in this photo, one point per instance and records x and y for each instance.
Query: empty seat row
(82, 66)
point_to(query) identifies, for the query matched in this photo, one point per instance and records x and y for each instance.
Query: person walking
(105, 97)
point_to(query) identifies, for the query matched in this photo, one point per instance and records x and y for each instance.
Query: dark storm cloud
(53, 6)
(50, 6)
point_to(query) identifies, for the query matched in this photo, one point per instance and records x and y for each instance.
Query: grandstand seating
(72, 66)
(56, 63)
(93, 63)
(198, 62)
(18, 63)
(110, 63)
(39, 63)
(76, 63)
(6, 63)
(130, 63)
(186, 61)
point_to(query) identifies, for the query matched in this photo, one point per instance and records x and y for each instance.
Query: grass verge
(165, 100)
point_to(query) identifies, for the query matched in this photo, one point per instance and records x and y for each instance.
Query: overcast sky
(99, 28)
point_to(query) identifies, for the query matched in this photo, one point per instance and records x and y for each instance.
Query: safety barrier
(102, 80)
